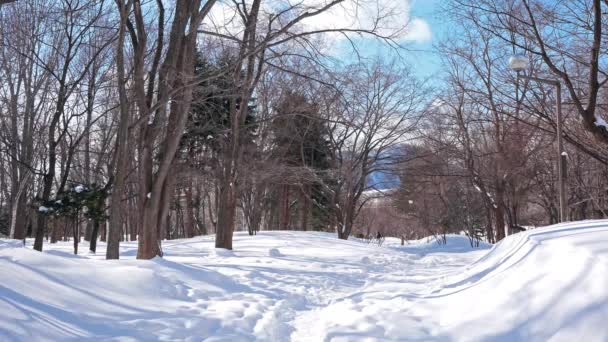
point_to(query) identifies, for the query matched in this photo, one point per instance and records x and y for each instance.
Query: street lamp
(519, 63)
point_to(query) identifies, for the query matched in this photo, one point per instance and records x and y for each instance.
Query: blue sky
(419, 53)
(424, 61)
(425, 27)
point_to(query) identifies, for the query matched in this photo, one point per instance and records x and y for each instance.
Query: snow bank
(53, 297)
(547, 284)
(275, 252)
(453, 243)
(10, 243)
(222, 252)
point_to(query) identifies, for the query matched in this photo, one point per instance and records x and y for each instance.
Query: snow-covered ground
(546, 284)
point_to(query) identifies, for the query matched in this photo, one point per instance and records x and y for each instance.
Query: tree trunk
(103, 232)
(16, 186)
(345, 228)
(305, 208)
(499, 212)
(94, 234)
(76, 234)
(133, 214)
(273, 214)
(148, 247)
(164, 221)
(46, 194)
(175, 89)
(226, 215)
(284, 211)
(201, 222)
(19, 216)
(189, 211)
(121, 164)
(489, 230)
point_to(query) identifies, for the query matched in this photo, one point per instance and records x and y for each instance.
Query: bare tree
(26, 83)
(161, 123)
(379, 110)
(567, 38)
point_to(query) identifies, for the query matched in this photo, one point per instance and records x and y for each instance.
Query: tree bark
(76, 233)
(120, 160)
(94, 234)
(284, 211)
(305, 196)
(225, 215)
(189, 211)
(346, 226)
(499, 213)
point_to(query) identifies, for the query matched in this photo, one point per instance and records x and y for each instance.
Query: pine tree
(86, 200)
(300, 140)
(209, 117)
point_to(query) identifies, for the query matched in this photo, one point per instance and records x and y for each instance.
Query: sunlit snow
(544, 284)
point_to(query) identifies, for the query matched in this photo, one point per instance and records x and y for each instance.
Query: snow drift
(9, 243)
(544, 284)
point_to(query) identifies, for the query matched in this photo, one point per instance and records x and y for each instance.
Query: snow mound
(53, 297)
(547, 284)
(274, 252)
(222, 252)
(65, 254)
(453, 244)
(10, 243)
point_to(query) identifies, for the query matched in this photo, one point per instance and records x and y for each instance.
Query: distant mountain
(386, 179)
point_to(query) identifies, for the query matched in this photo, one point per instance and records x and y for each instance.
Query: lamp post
(520, 63)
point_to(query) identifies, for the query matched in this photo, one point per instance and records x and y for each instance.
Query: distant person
(379, 239)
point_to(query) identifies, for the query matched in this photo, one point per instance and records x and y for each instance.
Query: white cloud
(418, 31)
(387, 17)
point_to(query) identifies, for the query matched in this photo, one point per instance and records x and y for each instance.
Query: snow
(454, 244)
(600, 122)
(274, 252)
(10, 243)
(543, 284)
(221, 252)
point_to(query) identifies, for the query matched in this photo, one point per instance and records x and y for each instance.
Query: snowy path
(314, 285)
(549, 284)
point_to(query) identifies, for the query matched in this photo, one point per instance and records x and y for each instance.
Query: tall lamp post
(519, 63)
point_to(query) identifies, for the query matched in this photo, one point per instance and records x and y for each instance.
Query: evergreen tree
(301, 140)
(209, 117)
(86, 200)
